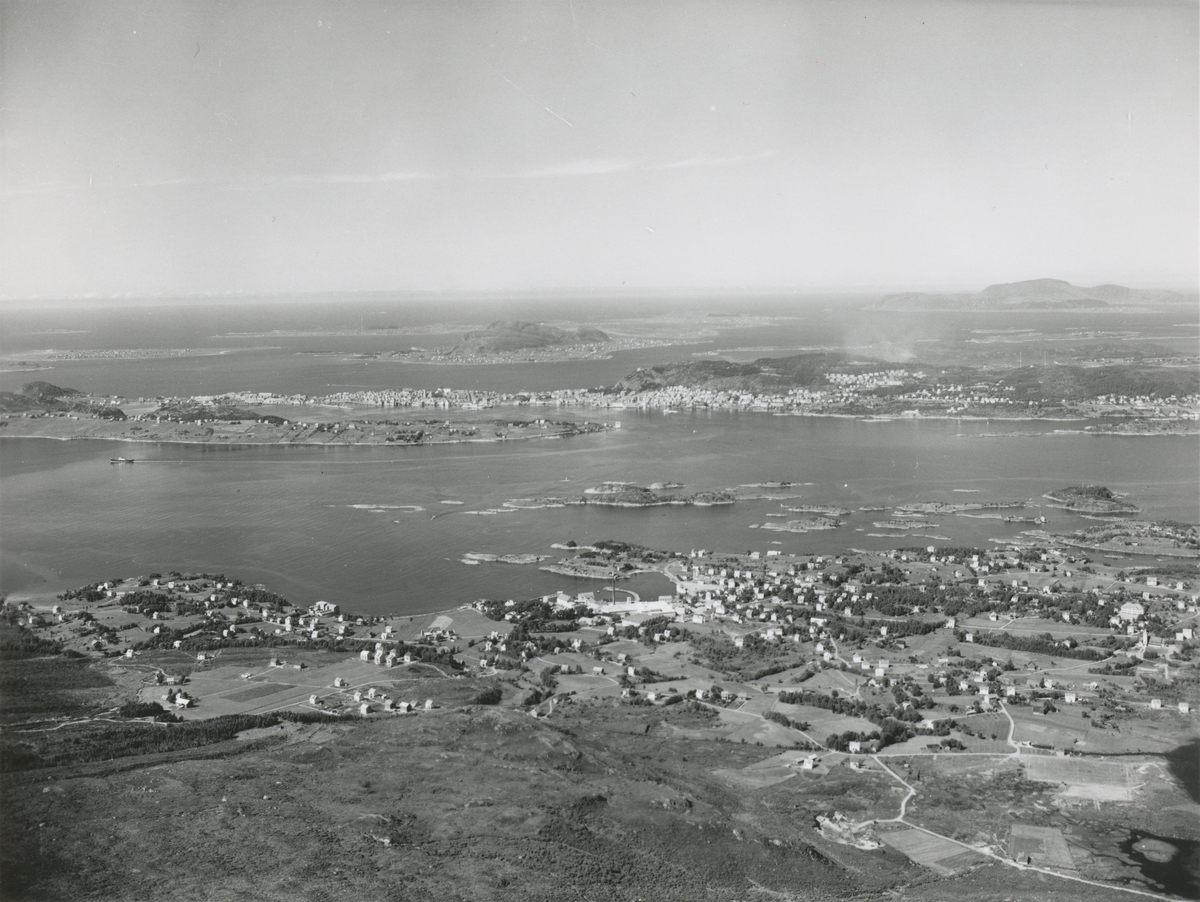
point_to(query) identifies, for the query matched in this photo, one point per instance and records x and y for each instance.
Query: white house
(1130, 611)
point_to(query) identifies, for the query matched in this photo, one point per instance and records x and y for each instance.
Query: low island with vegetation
(1090, 499)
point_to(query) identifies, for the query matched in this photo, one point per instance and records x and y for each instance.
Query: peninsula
(1138, 398)
(935, 722)
(41, 410)
(1143, 397)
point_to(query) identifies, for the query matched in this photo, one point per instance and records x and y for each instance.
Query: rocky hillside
(43, 396)
(764, 374)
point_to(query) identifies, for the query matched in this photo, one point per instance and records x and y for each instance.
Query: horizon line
(615, 292)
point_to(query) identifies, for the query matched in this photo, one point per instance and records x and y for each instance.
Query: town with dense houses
(1068, 669)
(1155, 400)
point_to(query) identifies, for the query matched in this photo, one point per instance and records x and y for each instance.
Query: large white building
(1131, 610)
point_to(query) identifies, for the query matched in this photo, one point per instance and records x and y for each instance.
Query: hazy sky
(185, 147)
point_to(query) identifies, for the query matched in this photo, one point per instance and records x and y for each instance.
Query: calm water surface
(341, 523)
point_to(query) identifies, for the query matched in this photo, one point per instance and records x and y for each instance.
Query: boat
(120, 460)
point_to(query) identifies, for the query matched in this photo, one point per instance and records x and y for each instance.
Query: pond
(1172, 865)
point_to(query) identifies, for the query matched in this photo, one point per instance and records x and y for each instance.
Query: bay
(343, 523)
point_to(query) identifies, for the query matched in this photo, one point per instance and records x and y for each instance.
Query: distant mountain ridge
(1032, 294)
(515, 335)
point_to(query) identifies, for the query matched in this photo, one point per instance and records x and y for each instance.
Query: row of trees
(894, 721)
(1045, 644)
(102, 743)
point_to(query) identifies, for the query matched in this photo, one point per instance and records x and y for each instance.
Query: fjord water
(367, 527)
(339, 523)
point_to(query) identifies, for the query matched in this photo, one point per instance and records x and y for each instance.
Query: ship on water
(120, 460)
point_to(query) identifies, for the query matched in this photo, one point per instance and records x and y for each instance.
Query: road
(902, 818)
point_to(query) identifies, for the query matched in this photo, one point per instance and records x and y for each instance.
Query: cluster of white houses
(370, 700)
(384, 656)
(840, 389)
(774, 601)
(797, 604)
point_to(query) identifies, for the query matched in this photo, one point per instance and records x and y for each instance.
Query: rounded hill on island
(514, 335)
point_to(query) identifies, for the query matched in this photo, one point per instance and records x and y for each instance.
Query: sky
(151, 148)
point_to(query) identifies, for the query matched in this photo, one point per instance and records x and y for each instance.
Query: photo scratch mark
(538, 102)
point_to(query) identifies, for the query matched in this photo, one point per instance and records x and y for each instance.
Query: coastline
(446, 433)
(450, 432)
(281, 444)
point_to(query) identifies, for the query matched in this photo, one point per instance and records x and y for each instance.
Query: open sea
(372, 528)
